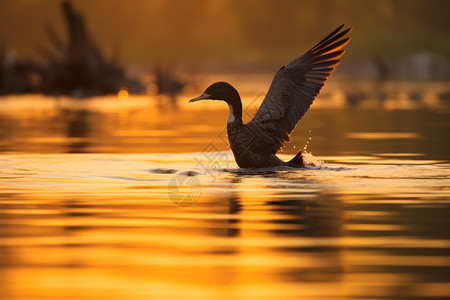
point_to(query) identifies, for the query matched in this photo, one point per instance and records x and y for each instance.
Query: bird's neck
(235, 114)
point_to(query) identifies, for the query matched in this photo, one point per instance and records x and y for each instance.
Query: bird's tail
(297, 161)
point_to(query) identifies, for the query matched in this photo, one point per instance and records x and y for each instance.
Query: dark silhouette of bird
(168, 84)
(293, 89)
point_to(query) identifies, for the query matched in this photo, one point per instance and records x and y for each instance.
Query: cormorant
(292, 91)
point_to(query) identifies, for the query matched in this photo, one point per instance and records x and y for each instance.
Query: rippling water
(108, 200)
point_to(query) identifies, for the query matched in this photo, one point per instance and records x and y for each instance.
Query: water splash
(307, 143)
(312, 162)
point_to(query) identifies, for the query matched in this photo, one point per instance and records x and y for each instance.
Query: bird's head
(219, 91)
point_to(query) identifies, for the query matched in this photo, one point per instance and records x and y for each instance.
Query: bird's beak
(201, 97)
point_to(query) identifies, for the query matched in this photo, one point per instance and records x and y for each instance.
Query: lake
(110, 198)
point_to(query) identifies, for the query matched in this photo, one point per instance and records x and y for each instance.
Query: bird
(291, 93)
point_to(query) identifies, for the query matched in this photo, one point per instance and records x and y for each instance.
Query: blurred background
(126, 63)
(203, 35)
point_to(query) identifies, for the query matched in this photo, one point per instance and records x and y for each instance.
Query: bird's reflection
(234, 207)
(308, 219)
(317, 217)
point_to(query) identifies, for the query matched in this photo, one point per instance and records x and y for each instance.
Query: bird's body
(246, 149)
(293, 89)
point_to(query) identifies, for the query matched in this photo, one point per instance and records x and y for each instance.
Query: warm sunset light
(226, 149)
(123, 94)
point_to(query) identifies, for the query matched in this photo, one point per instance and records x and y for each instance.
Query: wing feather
(294, 89)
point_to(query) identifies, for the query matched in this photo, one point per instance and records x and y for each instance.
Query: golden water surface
(109, 199)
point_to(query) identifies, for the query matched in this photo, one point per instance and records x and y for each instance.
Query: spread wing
(293, 90)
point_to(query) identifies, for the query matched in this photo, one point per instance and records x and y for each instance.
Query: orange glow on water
(92, 205)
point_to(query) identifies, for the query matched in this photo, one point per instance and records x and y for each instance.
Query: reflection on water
(86, 210)
(104, 226)
(107, 125)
